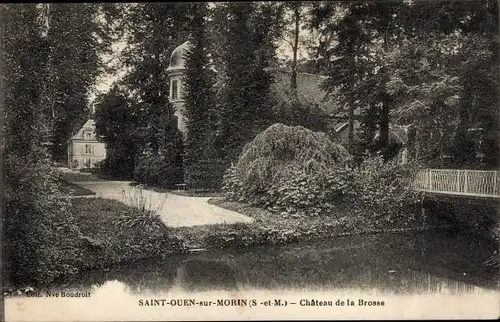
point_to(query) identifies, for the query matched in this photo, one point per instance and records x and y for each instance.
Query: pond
(392, 262)
(432, 274)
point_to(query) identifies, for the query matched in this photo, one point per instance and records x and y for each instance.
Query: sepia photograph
(260, 160)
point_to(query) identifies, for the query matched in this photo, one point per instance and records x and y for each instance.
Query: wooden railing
(460, 182)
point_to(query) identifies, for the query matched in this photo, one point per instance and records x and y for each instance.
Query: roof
(177, 58)
(90, 126)
(309, 89)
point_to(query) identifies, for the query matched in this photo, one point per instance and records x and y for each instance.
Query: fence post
(466, 173)
(430, 179)
(495, 179)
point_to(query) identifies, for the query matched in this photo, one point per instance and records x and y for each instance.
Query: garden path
(175, 210)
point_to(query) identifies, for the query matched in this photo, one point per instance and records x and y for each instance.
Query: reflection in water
(198, 274)
(413, 263)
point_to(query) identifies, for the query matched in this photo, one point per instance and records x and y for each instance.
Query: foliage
(295, 113)
(148, 144)
(75, 36)
(40, 230)
(277, 155)
(245, 103)
(293, 171)
(150, 39)
(428, 65)
(382, 189)
(200, 106)
(158, 171)
(206, 175)
(116, 118)
(141, 201)
(143, 215)
(112, 232)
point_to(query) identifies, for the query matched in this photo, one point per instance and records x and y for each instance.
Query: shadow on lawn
(76, 190)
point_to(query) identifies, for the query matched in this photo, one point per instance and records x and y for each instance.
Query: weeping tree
(279, 154)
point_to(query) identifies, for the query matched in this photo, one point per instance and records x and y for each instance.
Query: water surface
(392, 263)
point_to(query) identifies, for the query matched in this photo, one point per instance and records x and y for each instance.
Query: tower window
(175, 89)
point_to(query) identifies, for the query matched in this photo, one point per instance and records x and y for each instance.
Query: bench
(181, 186)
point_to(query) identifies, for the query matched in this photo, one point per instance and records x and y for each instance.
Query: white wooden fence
(459, 182)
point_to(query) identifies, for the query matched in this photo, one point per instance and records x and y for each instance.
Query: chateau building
(175, 72)
(83, 148)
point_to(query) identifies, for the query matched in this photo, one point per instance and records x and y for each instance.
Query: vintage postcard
(250, 160)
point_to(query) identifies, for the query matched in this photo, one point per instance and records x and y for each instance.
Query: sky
(104, 83)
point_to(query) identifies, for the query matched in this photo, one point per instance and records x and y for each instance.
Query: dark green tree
(428, 65)
(365, 32)
(200, 156)
(116, 119)
(245, 102)
(152, 31)
(445, 80)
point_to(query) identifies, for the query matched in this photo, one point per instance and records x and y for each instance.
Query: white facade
(83, 148)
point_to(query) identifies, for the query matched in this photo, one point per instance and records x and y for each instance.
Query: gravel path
(175, 210)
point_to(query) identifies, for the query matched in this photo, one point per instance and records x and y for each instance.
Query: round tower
(176, 70)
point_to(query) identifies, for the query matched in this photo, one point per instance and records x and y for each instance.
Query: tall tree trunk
(384, 126)
(295, 48)
(47, 93)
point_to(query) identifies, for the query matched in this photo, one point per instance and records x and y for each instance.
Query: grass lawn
(274, 228)
(187, 193)
(112, 232)
(75, 176)
(76, 190)
(267, 228)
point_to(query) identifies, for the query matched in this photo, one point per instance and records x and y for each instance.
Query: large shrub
(291, 170)
(41, 236)
(382, 189)
(159, 171)
(276, 157)
(205, 175)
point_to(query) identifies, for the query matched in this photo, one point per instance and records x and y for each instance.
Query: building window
(89, 149)
(88, 135)
(174, 93)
